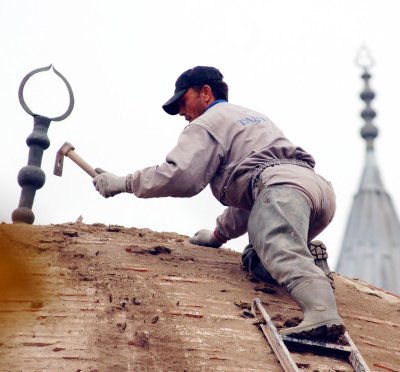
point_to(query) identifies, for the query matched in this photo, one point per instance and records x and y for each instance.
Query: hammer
(68, 150)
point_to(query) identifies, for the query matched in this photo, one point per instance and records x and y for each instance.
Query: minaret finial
(369, 131)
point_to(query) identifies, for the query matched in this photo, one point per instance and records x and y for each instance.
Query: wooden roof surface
(79, 297)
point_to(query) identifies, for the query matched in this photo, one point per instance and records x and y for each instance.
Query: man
(268, 185)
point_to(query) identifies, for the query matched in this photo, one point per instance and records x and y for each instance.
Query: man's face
(193, 104)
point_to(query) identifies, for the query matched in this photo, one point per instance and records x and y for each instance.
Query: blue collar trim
(216, 102)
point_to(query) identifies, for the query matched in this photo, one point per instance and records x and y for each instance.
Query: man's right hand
(206, 238)
(108, 184)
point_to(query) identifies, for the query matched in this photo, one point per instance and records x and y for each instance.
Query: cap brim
(171, 106)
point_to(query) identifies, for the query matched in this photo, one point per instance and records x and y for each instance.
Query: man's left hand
(205, 238)
(108, 184)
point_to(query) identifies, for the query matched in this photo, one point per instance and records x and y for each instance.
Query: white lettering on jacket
(251, 120)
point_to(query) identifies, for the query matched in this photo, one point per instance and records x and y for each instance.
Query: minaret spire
(371, 243)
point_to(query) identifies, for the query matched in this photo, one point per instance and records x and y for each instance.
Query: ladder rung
(317, 347)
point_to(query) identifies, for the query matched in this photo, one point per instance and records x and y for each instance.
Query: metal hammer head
(61, 153)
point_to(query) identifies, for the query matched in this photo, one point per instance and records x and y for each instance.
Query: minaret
(371, 244)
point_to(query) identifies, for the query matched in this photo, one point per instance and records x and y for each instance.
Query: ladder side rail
(355, 357)
(274, 339)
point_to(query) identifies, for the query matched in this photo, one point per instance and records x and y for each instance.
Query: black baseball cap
(194, 76)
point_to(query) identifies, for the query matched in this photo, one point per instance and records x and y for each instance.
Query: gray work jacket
(223, 148)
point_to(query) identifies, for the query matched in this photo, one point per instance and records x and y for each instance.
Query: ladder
(282, 344)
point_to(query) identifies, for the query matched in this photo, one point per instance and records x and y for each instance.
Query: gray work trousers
(279, 230)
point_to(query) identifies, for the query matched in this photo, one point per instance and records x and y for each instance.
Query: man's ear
(207, 94)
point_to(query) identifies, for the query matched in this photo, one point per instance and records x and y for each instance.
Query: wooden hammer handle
(82, 163)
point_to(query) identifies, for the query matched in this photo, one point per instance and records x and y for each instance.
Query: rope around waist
(255, 178)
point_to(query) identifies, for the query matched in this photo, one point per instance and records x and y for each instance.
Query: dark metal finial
(31, 177)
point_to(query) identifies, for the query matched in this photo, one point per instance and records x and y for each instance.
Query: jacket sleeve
(232, 223)
(187, 170)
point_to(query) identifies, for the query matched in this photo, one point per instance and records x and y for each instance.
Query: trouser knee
(252, 264)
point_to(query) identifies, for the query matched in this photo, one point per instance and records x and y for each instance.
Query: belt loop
(258, 186)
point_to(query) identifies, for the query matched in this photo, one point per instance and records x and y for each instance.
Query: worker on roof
(268, 184)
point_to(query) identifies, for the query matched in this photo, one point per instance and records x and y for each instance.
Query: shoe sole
(319, 252)
(329, 333)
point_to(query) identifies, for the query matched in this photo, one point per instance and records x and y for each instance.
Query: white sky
(292, 60)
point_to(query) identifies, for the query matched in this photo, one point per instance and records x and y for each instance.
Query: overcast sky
(292, 60)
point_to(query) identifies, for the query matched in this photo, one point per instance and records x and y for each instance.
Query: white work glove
(206, 238)
(108, 184)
